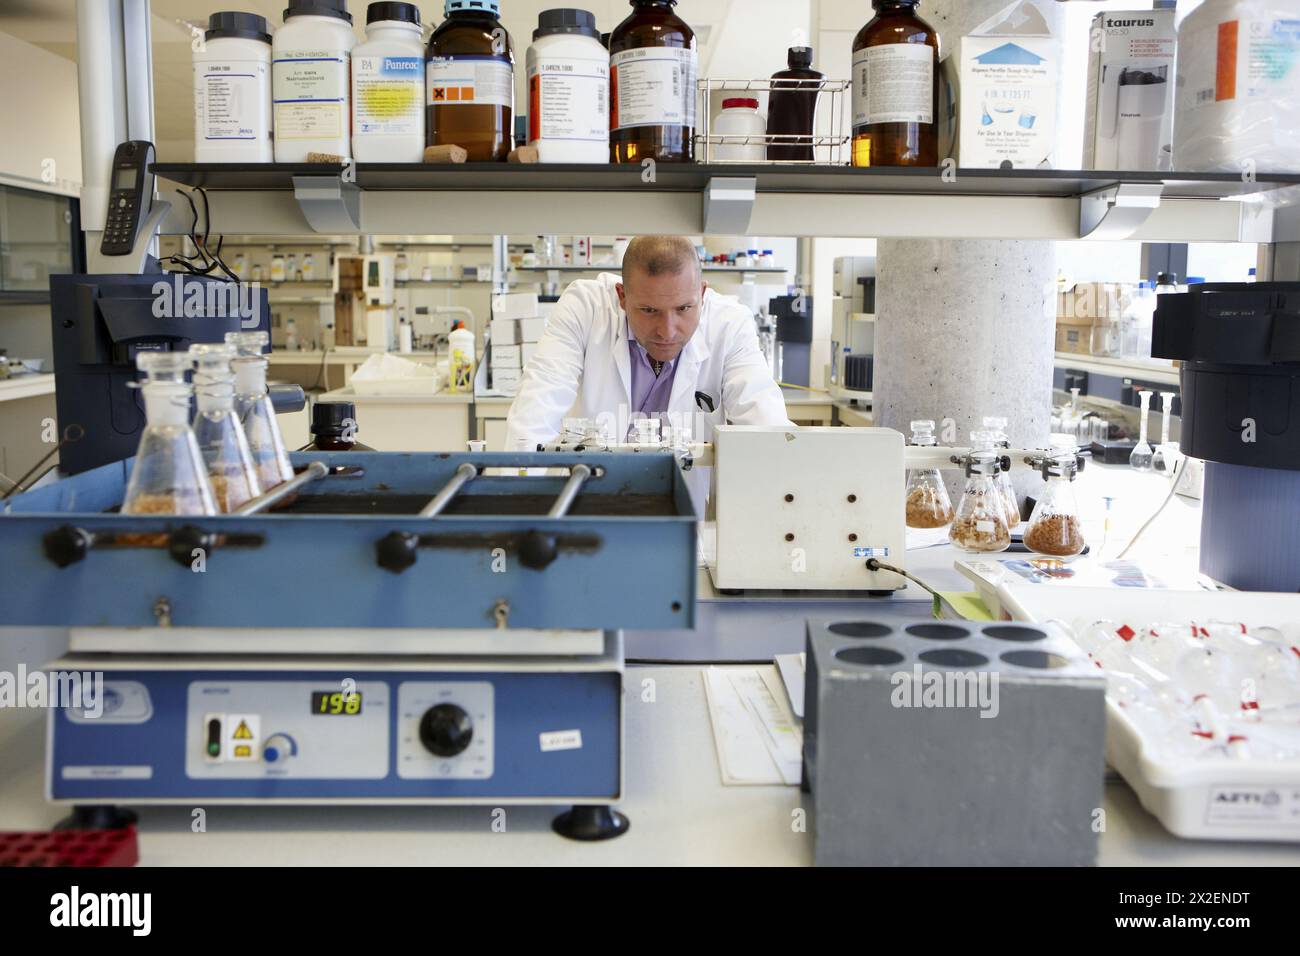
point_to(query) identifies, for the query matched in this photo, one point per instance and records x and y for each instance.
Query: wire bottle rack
(830, 139)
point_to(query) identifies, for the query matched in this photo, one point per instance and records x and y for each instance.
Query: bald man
(657, 343)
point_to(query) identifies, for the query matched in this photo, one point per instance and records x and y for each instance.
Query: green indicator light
(214, 749)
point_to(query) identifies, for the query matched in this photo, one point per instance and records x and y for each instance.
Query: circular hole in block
(860, 629)
(1039, 660)
(1012, 633)
(954, 657)
(26, 848)
(67, 861)
(869, 656)
(938, 632)
(90, 836)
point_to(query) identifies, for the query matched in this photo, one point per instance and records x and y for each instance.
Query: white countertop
(349, 394)
(351, 355)
(26, 386)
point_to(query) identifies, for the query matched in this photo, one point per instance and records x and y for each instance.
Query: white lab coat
(582, 368)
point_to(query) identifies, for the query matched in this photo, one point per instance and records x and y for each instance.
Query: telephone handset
(129, 198)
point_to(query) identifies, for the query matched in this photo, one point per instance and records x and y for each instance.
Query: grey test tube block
(943, 785)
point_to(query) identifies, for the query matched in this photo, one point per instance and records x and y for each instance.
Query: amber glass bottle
(896, 88)
(469, 82)
(653, 70)
(334, 428)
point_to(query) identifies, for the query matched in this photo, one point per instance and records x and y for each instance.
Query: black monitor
(100, 324)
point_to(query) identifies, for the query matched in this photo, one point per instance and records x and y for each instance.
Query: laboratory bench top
(350, 394)
(681, 813)
(351, 355)
(26, 386)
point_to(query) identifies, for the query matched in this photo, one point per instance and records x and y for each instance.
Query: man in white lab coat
(659, 343)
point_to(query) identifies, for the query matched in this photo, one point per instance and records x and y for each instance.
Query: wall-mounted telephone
(129, 198)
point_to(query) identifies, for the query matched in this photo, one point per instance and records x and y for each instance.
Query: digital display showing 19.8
(336, 703)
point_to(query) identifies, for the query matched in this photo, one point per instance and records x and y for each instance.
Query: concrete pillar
(962, 331)
(965, 328)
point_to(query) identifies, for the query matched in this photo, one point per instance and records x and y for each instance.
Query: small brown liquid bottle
(469, 82)
(653, 70)
(896, 88)
(792, 108)
(334, 428)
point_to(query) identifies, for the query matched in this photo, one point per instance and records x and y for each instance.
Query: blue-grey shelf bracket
(1117, 212)
(729, 205)
(330, 205)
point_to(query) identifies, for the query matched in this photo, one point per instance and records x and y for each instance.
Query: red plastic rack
(81, 848)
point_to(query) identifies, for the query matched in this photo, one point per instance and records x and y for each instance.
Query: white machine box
(806, 508)
(1130, 112)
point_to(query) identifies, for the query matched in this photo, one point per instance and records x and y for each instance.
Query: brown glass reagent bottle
(792, 107)
(334, 428)
(896, 88)
(469, 82)
(654, 66)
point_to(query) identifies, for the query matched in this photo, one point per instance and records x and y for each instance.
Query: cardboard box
(527, 351)
(505, 332)
(999, 93)
(506, 356)
(515, 305)
(1074, 335)
(1129, 116)
(530, 330)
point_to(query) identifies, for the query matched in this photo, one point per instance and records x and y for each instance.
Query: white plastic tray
(1248, 799)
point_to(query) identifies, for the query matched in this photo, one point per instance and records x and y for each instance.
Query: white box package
(527, 351)
(506, 357)
(506, 380)
(1005, 74)
(505, 332)
(530, 330)
(515, 305)
(1129, 123)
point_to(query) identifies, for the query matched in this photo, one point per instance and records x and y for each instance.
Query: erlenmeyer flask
(253, 406)
(998, 429)
(928, 504)
(1054, 528)
(981, 522)
(168, 477)
(219, 431)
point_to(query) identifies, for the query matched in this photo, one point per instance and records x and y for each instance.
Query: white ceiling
(51, 25)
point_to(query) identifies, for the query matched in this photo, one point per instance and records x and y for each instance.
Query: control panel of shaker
(129, 197)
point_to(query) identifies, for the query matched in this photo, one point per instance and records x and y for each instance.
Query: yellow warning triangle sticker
(242, 732)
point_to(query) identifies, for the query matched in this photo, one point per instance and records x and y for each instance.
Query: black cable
(320, 372)
(72, 434)
(207, 231)
(874, 564)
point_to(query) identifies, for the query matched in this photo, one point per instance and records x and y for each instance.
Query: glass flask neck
(167, 403)
(215, 397)
(250, 376)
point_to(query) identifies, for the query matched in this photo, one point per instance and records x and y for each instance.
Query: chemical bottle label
(230, 100)
(653, 86)
(568, 100)
(388, 95)
(311, 95)
(893, 83)
(470, 81)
